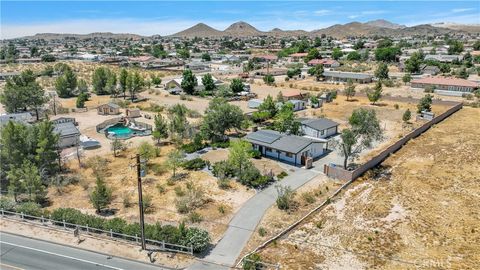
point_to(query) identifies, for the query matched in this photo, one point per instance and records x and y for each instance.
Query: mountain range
(353, 29)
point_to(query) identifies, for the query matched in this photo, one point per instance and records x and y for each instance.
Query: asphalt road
(19, 252)
(242, 225)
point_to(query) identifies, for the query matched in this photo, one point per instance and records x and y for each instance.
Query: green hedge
(197, 238)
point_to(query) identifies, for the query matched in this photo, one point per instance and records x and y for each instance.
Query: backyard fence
(340, 173)
(50, 223)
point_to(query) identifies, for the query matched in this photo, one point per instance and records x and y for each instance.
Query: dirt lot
(121, 177)
(420, 210)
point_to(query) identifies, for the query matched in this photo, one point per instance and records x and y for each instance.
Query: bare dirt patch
(419, 210)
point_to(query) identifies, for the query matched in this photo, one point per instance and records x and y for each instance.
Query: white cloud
(366, 13)
(460, 10)
(146, 27)
(322, 12)
(353, 16)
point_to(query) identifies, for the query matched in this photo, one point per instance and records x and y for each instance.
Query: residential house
(132, 112)
(67, 131)
(328, 63)
(339, 76)
(446, 85)
(108, 109)
(429, 70)
(319, 128)
(443, 58)
(23, 117)
(271, 71)
(287, 148)
(298, 105)
(254, 103)
(292, 94)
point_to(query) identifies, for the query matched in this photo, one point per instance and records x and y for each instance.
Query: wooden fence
(340, 173)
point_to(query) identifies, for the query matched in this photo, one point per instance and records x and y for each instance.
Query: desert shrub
(282, 175)
(193, 114)
(199, 239)
(285, 197)
(195, 217)
(161, 188)
(388, 83)
(191, 147)
(223, 183)
(308, 197)
(29, 208)
(252, 262)
(221, 209)
(195, 164)
(223, 169)
(127, 201)
(7, 204)
(98, 165)
(147, 204)
(255, 154)
(183, 97)
(221, 144)
(179, 191)
(396, 106)
(262, 231)
(158, 169)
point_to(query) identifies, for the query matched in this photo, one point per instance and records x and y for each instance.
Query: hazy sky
(20, 18)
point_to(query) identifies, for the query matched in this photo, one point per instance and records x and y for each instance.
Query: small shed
(108, 109)
(298, 105)
(133, 113)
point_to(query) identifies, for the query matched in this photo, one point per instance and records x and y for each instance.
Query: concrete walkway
(243, 224)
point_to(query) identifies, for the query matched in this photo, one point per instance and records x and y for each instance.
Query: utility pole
(140, 201)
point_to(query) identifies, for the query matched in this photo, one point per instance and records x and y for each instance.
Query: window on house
(322, 132)
(268, 149)
(289, 155)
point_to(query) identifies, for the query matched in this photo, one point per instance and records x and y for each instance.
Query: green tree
(101, 195)
(407, 115)
(111, 84)
(206, 57)
(161, 128)
(318, 72)
(382, 71)
(406, 78)
(147, 151)
(208, 83)
(349, 89)
(123, 81)
(158, 51)
(412, 65)
(268, 79)
(135, 83)
(455, 47)
(99, 80)
(26, 179)
(81, 99)
(354, 56)
(312, 54)
(425, 104)
(285, 120)
(189, 82)
(82, 86)
(15, 146)
(239, 154)
(280, 98)
(47, 148)
(156, 80)
(237, 86)
(219, 117)
(387, 54)
(463, 74)
(363, 131)
(337, 53)
(174, 160)
(117, 146)
(178, 123)
(268, 105)
(376, 93)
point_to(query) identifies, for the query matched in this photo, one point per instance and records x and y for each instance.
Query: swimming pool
(120, 131)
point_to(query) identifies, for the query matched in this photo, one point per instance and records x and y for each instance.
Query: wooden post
(140, 202)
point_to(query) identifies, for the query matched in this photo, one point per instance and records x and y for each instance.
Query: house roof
(113, 105)
(322, 62)
(319, 124)
(298, 54)
(23, 117)
(291, 93)
(347, 75)
(66, 129)
(283, 142)
(439, 80)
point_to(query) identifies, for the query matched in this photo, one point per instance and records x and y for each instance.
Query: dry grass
(422, 209)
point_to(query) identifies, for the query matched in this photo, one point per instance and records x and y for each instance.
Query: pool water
(120, 131)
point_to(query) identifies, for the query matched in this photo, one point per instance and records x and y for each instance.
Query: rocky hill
(51, 36)
(242, 29)
(385, 24)
(199, 30)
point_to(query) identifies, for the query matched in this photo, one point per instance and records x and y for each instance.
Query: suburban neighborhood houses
(237, 145)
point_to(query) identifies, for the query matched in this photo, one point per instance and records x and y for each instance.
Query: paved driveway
(246, 219)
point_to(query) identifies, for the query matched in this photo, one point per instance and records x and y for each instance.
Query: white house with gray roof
(319, 128)
(67, 131)
(339, 76)
(287, 148)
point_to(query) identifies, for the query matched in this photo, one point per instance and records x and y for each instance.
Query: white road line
(64, 256)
